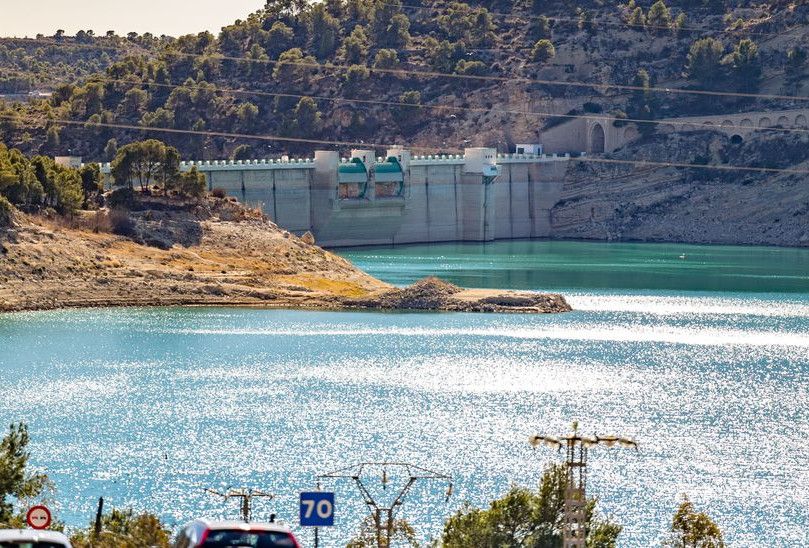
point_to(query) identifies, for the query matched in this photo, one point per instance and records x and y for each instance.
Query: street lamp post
(574, 531)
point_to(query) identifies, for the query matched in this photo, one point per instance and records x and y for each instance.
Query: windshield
(251, 539)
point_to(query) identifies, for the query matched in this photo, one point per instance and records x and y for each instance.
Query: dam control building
(399, 198)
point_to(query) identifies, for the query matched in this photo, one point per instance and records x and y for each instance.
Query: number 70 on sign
(317, 509)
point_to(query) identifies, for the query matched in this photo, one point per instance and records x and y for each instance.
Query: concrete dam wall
(398, 199)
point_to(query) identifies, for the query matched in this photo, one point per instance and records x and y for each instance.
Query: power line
(589, 159)
(501, 79)
(662, 164)
(245, 496)
(577, 446)
(524, 80)
(202, 133)
(383, 512)
(478, 110)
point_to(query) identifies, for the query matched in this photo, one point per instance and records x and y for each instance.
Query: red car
(231, 534)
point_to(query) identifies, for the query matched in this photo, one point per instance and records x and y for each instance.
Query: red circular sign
(38, 517)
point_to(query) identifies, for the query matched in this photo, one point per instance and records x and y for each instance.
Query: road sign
(38, 517)
(317, 509)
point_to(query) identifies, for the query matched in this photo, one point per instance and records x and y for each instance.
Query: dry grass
(55, 263)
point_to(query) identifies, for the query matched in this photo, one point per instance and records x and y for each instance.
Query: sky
(173, 17)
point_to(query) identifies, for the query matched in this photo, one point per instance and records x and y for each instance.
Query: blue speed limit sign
(317, 509)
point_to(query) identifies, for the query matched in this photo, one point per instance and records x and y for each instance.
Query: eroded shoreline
(217, 254)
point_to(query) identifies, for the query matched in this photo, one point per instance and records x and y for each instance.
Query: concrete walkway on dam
(399, 198)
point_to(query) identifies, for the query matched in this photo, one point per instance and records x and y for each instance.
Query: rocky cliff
(605, 201)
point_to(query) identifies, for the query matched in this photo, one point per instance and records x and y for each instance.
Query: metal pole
(317, 529)
(574, 523)
(389, 528)
(378, 523)
(384, 536)
(99, 512)
(246, 508)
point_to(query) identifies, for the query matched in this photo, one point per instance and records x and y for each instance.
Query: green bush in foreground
(16, 482)
(402, 535)
(526, 518)
(692, 529)
(543, 51)
(192, 183)
(124, 529)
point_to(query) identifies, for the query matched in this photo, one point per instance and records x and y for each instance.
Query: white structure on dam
(399, 198)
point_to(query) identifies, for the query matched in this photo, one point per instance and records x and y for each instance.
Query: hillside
(343, 50)
(443, 75)
(42, 64)
(625, 202)
(223, 255)
(211, 252)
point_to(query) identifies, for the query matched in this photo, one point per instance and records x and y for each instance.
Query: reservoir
(699, 353)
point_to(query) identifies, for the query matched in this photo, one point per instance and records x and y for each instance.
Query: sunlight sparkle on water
(147, 407)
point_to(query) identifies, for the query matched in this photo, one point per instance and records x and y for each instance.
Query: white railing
(309, 163)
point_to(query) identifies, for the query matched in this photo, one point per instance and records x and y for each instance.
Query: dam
(398, 198)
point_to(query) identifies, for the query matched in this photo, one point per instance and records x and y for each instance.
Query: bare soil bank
(217, 253)
(617, 202)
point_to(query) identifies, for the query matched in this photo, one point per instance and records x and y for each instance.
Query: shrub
(192, 183)
(355, 77)
(705, 61)
(19, 482)
(6, 213)
(355, 46)
(543, 51)
(69, 193)
(692, 528)
(125, 529)
(242, 152)
(525, 518)
(471, 68)
(620, 118)
(121, 198)
(386, 59)
(121, 223)
(659, 16)
(443, 55)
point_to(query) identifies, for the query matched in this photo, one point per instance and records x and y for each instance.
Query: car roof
(32, 535)
(242, 526)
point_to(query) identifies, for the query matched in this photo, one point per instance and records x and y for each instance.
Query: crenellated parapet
(397, 197)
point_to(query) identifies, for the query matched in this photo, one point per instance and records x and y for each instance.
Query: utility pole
(246, 497)
(99, 514)
(574, 528)
(383, 515)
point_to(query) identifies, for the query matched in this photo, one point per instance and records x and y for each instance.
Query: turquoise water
(532, 264)
(149, 406)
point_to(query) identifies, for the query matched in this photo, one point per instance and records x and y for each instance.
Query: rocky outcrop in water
(435, 294)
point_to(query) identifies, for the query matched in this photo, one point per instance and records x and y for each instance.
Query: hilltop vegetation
(45, 62)
(36, 183)
(273, 73)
